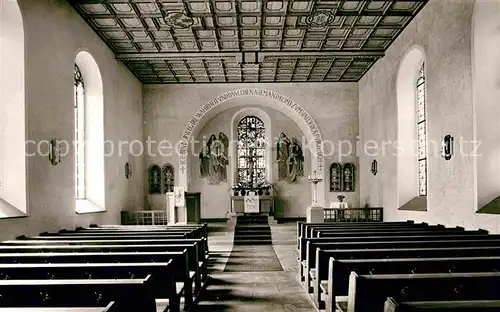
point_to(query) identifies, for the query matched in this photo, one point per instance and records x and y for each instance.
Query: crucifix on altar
(252, 159)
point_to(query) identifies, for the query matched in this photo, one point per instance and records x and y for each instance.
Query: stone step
(245, 242)
(252, 232)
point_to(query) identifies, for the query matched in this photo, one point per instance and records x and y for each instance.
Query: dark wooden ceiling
(203, 41)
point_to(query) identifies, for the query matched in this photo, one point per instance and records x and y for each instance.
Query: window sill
(84, 206)
(8, 211)
(418, 203)
(493, 207)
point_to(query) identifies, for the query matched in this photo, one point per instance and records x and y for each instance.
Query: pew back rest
(368, 293)
(130, 295)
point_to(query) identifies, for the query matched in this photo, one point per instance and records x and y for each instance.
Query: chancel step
(252, 230)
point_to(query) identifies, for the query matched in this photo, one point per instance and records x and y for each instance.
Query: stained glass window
(168, 178)
(251, 152)
(421, 132)
(335, 177)
(79, 104)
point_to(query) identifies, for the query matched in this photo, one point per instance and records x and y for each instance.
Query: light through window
(422, 132)
(79, 103)
(251, 152)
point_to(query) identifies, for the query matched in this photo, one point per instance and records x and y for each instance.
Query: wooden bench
(307, 255)
(201, 245)
(332, 279)
(368, 293)
(129, 295)
(192, 252)
(447, 231)
(111, 307)
(307, 229)
(203, 228)
(302, 225)
(390, 243)
(392, 305)
(162, 275)
(190, 233)
(180, 262)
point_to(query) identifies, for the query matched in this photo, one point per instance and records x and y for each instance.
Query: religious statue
(204, 161)
(290, 159)
(213, 159)
(282, 149)
(295, 161)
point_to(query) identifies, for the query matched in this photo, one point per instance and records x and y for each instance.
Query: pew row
(368, 293)
(111, 307)
(162, 275)
(129, 295)
(334, 281)
(392, 305)
(383, 242)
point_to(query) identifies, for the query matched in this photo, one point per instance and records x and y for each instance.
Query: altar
(265, 205)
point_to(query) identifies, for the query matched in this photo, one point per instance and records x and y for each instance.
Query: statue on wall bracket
(213, 159)
(290, 159)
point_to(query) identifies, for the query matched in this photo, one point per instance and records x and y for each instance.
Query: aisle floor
(254, 291)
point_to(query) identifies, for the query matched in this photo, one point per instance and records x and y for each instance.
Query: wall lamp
(374, 168)
(128, 171)
(54, 152)
(447, 147)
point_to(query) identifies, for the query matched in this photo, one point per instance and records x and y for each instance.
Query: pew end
(351, 298)
(390, 305)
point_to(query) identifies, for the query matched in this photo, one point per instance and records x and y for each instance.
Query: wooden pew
(129, 295)
(202, 241)
(307, 229)
(192, 252)
(111, 307)
(447, 231)
(392, 305)
(203, 227)
(333, 279)
(162, 275)
(385, 240)
(186, 234)
(367, 232)
(302, 225)
(202, 245)
(368, 293)
(180, 262)
(190, 232)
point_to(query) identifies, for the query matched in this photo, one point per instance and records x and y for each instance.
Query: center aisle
(254, 291)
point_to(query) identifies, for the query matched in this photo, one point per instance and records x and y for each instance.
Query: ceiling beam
(319, 54)
(232, 56)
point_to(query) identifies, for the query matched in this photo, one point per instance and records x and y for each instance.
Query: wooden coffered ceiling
(203, 41)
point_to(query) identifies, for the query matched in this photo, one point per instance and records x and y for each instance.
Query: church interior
(249, 155)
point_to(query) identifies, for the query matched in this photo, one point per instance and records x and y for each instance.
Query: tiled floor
(254, 291)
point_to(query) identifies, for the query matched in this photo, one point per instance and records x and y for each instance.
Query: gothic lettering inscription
(318, 141)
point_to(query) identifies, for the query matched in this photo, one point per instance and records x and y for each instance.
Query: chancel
(249, 155)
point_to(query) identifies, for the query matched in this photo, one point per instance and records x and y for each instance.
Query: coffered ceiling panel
(190, 41)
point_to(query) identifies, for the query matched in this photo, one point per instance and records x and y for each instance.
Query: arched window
(412, 141)
(89, 135)
(79, 133)
(168, 178)
(421, 132)
(251, 152)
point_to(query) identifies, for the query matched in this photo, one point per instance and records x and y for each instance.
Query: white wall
(12, 107)
(486, 86)
(168, 108)
(215, 198)
(54, 34)
(443, 29)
